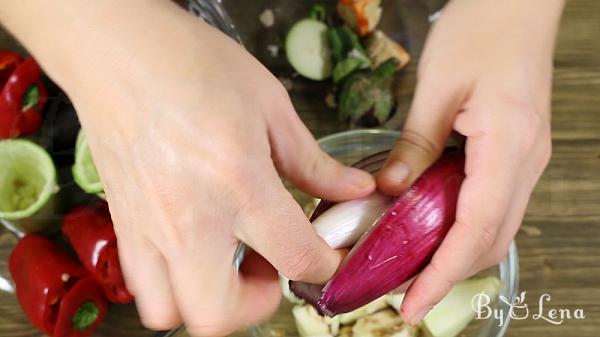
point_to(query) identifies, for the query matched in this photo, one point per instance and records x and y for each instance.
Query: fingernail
(418, 317)
(360, 179)
(398, 171)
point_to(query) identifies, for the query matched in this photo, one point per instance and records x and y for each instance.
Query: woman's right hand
(189, 133)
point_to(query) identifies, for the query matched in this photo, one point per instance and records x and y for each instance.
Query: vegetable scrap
(354, 55)
(361, 15)
(273, 50)
(330, 101)
(367, 98)
(381, 48)
(381, 318)
(267, 18)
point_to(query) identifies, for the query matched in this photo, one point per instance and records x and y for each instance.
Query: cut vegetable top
(308, 50)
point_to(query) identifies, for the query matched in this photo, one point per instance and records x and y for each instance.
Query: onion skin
(398, 246)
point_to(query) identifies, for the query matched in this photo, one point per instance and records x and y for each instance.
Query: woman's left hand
(486, 72)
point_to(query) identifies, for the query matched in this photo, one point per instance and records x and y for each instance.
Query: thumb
(298, 157)
(423, 138)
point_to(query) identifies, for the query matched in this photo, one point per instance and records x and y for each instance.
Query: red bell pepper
(90, 232)
(54, 290)
(8, 62)
(21, 100)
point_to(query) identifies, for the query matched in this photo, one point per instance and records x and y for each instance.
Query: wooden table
(564, 260)
(559, 246)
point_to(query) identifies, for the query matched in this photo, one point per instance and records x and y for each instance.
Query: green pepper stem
(31, 98)
(85, 316)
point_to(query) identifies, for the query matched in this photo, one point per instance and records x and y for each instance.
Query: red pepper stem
(86, 316)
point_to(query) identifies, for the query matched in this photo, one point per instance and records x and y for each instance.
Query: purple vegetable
(398, 246)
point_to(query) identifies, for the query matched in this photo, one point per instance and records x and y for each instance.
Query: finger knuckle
(486, 236)
(524, 139)
(420, 142)
(546, 152)
(235, 186)
(445, 277)
(485, 231)
(314, 167)
(309, 168)
(169, 201)
(526, 122)
(525, 145)
(494, 256)
(298, 267)
(282, 93)
(277, 96)
(545, 155)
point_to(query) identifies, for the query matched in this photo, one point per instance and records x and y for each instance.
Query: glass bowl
(349, 147)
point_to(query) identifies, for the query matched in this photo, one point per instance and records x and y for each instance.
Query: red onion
(398, 246)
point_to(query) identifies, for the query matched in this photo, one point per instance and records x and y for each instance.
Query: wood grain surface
(559, 245)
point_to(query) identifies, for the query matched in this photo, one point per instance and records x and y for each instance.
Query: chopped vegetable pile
(360, 60)
(381, 318)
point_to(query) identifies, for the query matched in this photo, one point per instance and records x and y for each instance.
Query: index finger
(275, 226)
(213, 298)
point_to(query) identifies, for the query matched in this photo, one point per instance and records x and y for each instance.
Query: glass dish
(349, 147)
